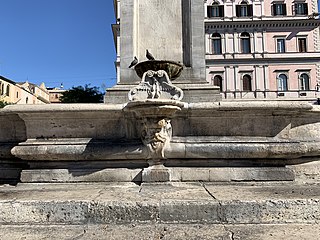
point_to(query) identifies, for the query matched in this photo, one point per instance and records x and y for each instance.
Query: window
(244, 9)
(245, 42)
(1, 85)
(281, 47)
(215, 10)
(17, 94)
(282, 82)
(301, 8)
(217, 81)
(302, 44)
(27, 99)
(8, 90)
(304, 82)
(246, 83)
(216, 43)
(2, 88)
(279, 9)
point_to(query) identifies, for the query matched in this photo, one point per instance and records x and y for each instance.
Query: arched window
(8, 90)
(244, 9)
(216, 43)
(246, 83)
(282, 82)
(2, 88)
(217, 81)
(304, 82)
(245, 42)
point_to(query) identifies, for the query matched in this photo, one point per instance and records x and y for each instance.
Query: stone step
(166, 203)
(176, 174)
(162, 231)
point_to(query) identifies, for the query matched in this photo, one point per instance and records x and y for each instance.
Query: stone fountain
(156, 137)
(86, 164)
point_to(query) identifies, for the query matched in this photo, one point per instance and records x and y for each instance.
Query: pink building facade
(263, 49)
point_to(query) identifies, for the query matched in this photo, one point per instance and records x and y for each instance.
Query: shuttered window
(301, 9)
(279, 9)
(215, 10)
(302, 44)
(244, 10)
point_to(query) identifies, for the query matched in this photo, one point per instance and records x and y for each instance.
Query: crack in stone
(220, 210)
(205, 188)
(80, 235)
(100, 192)
(231, 233)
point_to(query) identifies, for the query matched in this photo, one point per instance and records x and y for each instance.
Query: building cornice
(264, 24)
(262, 61)
(115, 32)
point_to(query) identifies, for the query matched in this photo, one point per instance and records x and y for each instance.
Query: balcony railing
(286, 55)
(309, 95)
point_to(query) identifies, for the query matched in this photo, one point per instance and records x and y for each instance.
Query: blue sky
(58, 41)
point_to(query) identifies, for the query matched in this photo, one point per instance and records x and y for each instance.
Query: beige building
(55, 94)
(22, 93)
(263, 49)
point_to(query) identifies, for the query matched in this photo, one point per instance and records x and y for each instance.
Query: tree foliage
(81, 94)
(3, 104)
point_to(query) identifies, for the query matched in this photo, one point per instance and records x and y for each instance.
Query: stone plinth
(169, 29)
(156, 173)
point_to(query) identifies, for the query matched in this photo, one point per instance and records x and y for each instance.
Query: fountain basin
(259, 140)
(173, 69)
(155, 107)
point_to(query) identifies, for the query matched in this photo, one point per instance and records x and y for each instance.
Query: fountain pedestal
(156, 173)
(155, 129)
(154, 102)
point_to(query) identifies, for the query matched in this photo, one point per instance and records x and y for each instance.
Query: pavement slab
(161, 203)
(161, 231)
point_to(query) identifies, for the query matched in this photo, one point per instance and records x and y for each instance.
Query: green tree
(3, 104)
(81, 94)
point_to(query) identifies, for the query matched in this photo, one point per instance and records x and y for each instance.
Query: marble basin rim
(154, 107)
(172, 68)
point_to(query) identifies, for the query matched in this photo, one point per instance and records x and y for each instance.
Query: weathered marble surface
(128, 203)
(166, 32)
(157, 28)
(162, 231)
(234, 134)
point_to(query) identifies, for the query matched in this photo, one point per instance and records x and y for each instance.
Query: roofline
(7, 79)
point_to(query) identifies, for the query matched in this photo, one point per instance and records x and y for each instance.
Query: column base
(156, 173)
